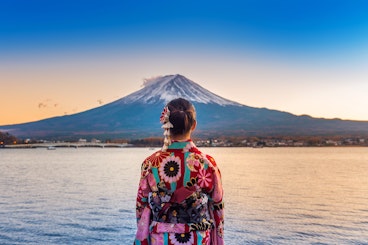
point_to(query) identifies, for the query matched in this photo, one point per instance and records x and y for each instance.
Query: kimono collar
(180, 144)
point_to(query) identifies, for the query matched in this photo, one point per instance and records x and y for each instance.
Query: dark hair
(182, 116)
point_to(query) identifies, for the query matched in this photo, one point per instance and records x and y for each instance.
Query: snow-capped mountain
(137, 116)
(166, 88)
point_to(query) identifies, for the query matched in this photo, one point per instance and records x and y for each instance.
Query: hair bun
(182, 116)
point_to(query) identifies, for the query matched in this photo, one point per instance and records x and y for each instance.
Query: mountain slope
(164, 89)
(137, 115)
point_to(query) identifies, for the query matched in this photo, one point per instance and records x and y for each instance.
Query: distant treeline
(272, 141)
(7, 139)
(225, 141)
(150, 142)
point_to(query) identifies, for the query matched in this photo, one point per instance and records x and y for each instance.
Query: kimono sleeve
(143, 210)
(217, 205)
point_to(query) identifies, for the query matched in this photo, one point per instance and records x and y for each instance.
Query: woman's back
(179, 198)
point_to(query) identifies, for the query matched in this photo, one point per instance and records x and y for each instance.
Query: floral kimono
(179, 199)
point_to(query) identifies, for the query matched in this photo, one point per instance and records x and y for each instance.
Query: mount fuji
(137, 116)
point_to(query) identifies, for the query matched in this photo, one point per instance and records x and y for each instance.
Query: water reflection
(273, 195)
(297, 194)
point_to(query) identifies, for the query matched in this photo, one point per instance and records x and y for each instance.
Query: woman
(180, 194)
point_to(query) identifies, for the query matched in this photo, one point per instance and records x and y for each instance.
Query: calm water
(273, 195)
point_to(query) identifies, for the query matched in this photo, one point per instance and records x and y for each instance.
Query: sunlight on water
(297, 195)
(273, 195)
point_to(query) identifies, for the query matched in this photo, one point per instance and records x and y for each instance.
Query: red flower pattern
(204, 178)
(157, 157)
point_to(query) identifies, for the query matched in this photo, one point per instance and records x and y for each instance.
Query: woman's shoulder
(155, 158)
(211, 160)
(208, 158)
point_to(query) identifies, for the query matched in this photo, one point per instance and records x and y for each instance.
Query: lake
(272, 195)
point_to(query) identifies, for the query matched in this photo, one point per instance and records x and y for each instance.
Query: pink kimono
(179, 200)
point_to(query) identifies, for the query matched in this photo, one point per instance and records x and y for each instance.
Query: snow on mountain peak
(165, 88)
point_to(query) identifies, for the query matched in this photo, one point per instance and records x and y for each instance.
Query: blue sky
(305, 57)
(293, 26)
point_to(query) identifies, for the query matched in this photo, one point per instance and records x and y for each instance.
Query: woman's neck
(183, 137)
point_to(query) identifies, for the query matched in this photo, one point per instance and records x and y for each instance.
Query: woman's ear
(194, 125)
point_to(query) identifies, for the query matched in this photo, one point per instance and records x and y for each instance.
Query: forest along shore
(254, 142)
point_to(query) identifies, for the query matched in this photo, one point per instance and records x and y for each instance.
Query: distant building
(96, 141)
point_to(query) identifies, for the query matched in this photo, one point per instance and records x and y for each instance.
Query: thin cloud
(150, 80)
(42, 105)
(47, 103)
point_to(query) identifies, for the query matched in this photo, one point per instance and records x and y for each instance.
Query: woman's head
(182, 116)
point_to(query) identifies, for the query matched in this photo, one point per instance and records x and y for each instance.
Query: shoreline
(111, 145)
